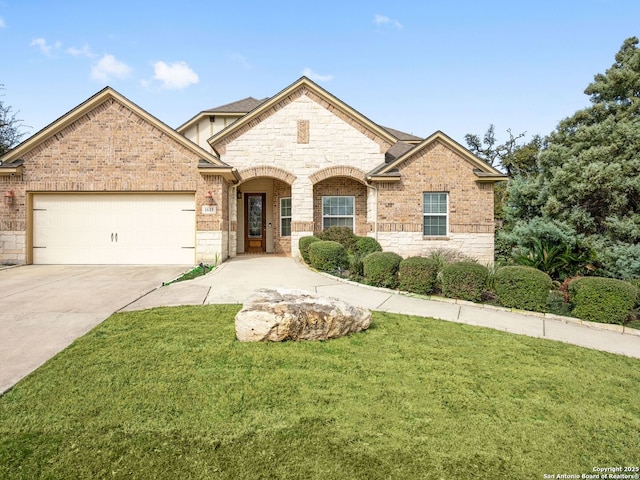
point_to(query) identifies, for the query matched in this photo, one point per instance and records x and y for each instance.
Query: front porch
(269, 215)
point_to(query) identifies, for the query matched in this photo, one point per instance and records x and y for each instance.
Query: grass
(195, 272)
(170, 393)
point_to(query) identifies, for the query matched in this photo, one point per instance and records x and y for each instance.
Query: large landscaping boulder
(282, 314)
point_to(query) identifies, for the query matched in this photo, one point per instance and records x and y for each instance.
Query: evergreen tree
(588, 174)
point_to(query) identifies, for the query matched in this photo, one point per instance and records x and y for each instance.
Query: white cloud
(44, 47)
(240, 60)
(85, 51)
(175, 76)
(384, 20)
(108, 67)
(316, 77)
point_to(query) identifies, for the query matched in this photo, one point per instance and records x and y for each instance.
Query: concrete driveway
(43, 308)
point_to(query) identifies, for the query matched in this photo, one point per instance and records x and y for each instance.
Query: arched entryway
(263, 211)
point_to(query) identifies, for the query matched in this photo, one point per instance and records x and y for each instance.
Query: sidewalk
(235, 280)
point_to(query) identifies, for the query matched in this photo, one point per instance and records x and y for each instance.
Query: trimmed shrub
(303, 246)
(464, 280)
(443, 257)
(363, 246)
(604, 300)
(526, 288)
(327, 255)
(381, 269)
(343, 235)
(417, 274)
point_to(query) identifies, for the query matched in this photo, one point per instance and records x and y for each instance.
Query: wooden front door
(255, 227)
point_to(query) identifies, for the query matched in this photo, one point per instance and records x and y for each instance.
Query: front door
(255, 227)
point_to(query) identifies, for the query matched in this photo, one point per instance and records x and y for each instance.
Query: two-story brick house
(109, 183)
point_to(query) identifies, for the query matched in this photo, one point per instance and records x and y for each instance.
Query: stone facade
(332, 143)
(12, 247)
(478, 246)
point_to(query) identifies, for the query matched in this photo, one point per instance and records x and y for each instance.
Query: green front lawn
(169, 393)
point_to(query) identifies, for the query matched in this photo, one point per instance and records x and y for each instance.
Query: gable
(302, 137)
(109, 128)
(89, 110)
(450, 150)
(234, 109)
(307, 88)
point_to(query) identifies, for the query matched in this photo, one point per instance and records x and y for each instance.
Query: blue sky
(418, 66)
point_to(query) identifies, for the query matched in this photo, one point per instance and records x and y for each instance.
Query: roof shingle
(402, 136)
(241, 106)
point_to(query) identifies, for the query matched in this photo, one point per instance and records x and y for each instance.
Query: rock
(282, 314)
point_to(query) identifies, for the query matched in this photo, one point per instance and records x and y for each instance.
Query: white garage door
(136, 229)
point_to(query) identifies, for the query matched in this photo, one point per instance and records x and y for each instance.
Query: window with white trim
(338, 211)
(285, 217)
(435, 211)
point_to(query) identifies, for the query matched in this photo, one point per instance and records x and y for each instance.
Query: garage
(113, 228)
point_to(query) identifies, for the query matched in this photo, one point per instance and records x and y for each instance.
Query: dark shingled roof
(393, 153)
(397, 151)
(402, 136)
(241, 106)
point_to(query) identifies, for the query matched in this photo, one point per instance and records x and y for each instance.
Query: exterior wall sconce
(239, 195)
(208, 198)
(8, 197)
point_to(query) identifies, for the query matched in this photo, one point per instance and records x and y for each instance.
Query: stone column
(233, 221)
(301, 212)
(372, 210)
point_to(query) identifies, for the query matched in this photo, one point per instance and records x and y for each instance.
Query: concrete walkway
(236, 279)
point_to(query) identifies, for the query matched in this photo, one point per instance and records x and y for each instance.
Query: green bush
(381, 269)
(343, 235)
(363, 246)
(417, 274)
(356, 266)
(303, 246)
(327, 255)
(464, 280)
(634, 281)
(559, 260)
(443, 257)
(526, 288)
(604, 300)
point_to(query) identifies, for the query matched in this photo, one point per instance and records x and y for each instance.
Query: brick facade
(437, 168)
(305, 144)
(341, 186)
(109, 149)
(281, 244)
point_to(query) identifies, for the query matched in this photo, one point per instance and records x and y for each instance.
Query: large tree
(10, 127)
(588, 178)
(512, 156)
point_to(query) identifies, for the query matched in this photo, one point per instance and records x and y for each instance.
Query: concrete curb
(621, 329)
